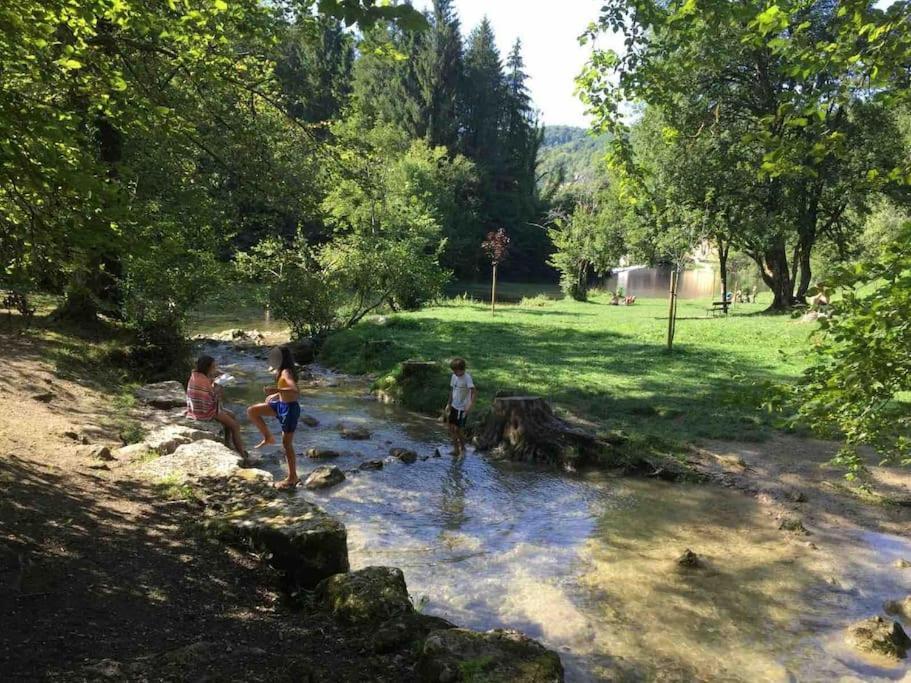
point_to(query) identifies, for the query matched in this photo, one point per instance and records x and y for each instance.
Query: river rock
(163, 395)
(309, 420)
(354, 433)
(324, 477)
(101, 453)
(322, 453)
(404, 455)
(167, 439)
(793, 524)
(405, 630)
(367, 596)
(902, 564)
(436, 453)
(371, 465)
(900, 608)
(198, 459)
(690, 560)
(300, 539)
(500, 655)
(880, 636)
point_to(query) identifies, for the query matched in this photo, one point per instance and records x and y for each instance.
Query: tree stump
(525, 428)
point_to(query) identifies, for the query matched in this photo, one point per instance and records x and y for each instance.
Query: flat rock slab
(371, 465)
(163, 395)
(880, 636)
(301, 540)
(194, 460)
(367, 596)
(167, 439)
(324, 477)
(496, 656)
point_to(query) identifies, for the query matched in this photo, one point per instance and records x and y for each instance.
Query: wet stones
(879, 636)
(369, 596)
(404, 455)
(371, 465)
(322, 453)
(900, 608)
(499, 655)
(309, 420)
(298, 538)
(324, 477)
(902, 564)
(690, 560)
(354, 433)
(163, 395)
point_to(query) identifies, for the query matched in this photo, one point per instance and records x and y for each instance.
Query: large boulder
(167, 439)
(300, 539)
(508, 656)
(368, 596)
(163, 395)
(879, 636)
(190, 461)
(324, 477)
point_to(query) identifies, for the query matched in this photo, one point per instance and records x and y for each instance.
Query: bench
(722, 306)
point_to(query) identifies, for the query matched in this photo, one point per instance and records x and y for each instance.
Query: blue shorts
(287, 413)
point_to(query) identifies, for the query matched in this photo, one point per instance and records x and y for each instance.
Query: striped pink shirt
(201, 401)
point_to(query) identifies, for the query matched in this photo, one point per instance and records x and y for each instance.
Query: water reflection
(585, 563)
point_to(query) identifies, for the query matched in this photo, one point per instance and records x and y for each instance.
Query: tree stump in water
(525, 428)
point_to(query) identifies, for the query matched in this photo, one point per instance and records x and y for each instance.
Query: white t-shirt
(461, 390)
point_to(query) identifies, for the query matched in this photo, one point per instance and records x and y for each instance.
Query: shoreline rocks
(879, 636)
(302, 541)
(498, 655)
(404, 455)
(163, 395)
(367, 596)
(193, 460)
(324, 477)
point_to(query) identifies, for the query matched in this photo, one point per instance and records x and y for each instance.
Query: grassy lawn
(603, 363)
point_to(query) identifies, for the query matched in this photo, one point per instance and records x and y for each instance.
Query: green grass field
(607, 364)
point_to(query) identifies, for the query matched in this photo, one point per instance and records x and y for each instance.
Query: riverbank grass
(604, 364)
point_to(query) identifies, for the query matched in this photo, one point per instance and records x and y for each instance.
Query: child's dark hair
(204, 364)
(287, 363)
(457, 364)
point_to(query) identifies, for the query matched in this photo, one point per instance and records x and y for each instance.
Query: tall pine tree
(439, 73)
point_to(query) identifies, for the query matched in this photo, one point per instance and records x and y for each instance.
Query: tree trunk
(524, 428)
(723, 250)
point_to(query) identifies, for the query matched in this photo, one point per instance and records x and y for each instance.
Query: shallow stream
(585, 563)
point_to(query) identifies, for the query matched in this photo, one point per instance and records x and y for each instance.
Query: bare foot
(288, 484)
(268, 441)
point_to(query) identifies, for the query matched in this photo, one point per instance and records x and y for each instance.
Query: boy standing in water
(282, 402)
(461, 400)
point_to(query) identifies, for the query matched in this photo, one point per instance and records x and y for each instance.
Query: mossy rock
(368, 596)
(495, 656)
(301, 540)
(421, 386)
(880, 636)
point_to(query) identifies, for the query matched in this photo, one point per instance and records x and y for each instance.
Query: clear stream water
(585, 563)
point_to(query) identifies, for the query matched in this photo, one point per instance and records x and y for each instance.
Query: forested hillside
(571, 155)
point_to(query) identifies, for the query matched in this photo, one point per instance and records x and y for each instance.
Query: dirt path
(102, 577)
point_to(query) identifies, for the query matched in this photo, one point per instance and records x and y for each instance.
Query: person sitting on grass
(461, 401)
(630, 300)
(204, 398)
(282, 401)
